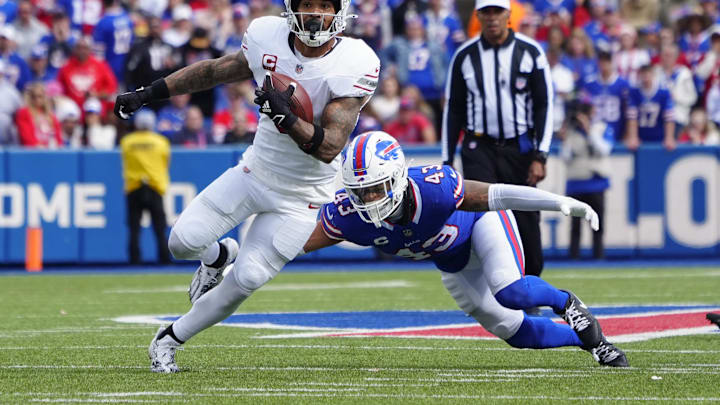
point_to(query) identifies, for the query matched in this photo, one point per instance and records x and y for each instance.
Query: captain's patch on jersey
(620, 323)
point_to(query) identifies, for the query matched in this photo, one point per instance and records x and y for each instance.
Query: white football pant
(282, 225)
(492, 267)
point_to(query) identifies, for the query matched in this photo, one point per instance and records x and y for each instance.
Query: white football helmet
(315, 38)
(375, 175)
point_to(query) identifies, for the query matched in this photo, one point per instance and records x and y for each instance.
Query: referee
(499, 92)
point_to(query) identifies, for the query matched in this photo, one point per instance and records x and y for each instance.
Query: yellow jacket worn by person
(146, 158)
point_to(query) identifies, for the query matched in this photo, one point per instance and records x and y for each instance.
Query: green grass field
(59, 343)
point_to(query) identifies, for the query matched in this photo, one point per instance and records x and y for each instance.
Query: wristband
(159, 90)
(540, 156)
(289, 120)
(315, 141)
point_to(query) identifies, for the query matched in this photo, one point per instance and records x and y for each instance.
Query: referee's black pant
(488, 160)
(145, 198)
(596, 201)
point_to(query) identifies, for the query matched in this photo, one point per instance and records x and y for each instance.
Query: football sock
(212, 254)
(169, 331)
(537, 332)
(532, 291)
(216, 305)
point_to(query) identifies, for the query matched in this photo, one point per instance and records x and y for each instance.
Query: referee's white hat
(492, 3)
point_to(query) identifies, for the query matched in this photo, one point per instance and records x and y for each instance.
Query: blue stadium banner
(660, 204)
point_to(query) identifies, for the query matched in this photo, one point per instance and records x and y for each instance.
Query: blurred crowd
(642, 64)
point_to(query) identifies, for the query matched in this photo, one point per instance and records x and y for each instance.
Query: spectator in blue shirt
(609, 95)
(59, 43)
(653, 107)
(443, 27)
(113, 36)
(39, 71)
(418, 62)
(580, 57)
(171, 118)
(17, 71)
(596, 29)
(8, 11)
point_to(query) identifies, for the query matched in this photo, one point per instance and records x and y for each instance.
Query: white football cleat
(206, 278)
(162, 353)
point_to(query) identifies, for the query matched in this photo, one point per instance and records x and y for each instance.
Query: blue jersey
(610, 100)
(8, 12)
(420, 72)
(582, 68)
(113, 34)
(545, 7)
(594, 30)
(652, 109)
(17, 70)
(170, 120)
(446, 31)
(436, 230)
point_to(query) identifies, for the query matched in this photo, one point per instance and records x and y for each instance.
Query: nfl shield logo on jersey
(407, 232)
(298, 68)
(520, 83)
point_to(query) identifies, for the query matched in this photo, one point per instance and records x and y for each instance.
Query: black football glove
(276, 104)
(127, 103)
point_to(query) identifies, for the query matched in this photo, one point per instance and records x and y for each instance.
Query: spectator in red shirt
(411, 126)
(86, 76)
(37, 125)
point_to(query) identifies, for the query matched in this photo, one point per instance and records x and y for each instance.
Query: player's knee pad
(515, 295)
(502, 324)
(252, 272)
(178, 248)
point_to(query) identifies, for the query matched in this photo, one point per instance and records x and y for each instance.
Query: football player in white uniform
(283, 178)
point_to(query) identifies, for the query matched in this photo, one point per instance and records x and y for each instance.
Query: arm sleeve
(455, 111)
(522, 198)
(541, 90)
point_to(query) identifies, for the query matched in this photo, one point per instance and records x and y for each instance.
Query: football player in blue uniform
(431, 213)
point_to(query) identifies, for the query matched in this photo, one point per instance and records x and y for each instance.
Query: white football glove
(575, 208)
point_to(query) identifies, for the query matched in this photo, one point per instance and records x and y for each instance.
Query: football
(300, 103)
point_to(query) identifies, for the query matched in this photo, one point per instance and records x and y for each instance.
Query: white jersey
(350, 69)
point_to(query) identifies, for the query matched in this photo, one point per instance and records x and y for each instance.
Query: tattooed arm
(209, 73)
(476, 196)
(338, 121)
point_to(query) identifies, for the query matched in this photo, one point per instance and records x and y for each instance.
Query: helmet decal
(387, 150)
(359, 156)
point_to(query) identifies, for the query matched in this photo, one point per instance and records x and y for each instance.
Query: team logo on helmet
(387, 150)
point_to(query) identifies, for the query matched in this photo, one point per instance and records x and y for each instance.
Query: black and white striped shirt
(500, 91)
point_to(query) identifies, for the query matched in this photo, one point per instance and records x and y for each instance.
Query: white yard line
(589, 369)
(278, 287)
(341, 347)
(614, 275)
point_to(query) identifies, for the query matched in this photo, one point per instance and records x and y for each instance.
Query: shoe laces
(606, 352)
(577, 319)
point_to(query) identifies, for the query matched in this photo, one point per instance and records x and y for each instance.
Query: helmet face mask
(310, 33)
(375, 175)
